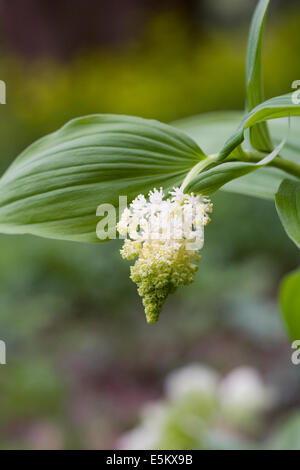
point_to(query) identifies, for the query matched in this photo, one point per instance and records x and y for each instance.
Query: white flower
(165, 235)
(177, 195)
(195, 379)
(138, 205)
(142, 437)
(243, 390)
(147, 434)
(156, 196)
(245, 394)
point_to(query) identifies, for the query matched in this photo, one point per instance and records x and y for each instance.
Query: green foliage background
(69, 312)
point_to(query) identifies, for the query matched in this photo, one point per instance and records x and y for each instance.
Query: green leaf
(211, 180)
(290, 303)
(288, 207)
(54, 187)
(286, 436)
(212, 130)
(280, 106)
(259, 134)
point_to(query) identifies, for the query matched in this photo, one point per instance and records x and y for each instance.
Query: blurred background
(82, 366)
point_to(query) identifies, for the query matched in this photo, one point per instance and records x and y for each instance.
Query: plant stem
(250, 156)
(198, 168)
(287, 166)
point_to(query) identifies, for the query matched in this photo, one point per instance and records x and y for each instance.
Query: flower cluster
(165, 234)
(205, 409)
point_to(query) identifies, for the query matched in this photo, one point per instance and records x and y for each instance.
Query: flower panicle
(165, 235)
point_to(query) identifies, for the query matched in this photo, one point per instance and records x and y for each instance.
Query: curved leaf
(212, 130)
(54, 187)
(288, 207)
(280, 106)
(211, 180)
(259, 134)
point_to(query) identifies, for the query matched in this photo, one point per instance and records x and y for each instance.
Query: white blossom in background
(236, 402)
(165, 234)
(192, 379)
(147, 434)
(244, 390)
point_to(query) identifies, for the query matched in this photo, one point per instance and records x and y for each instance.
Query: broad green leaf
(54, 187)
(208, 182)
(280, 106)
(259, 134)
(290, 303)
(213, 129)
(288, 207)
